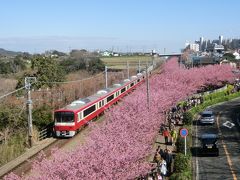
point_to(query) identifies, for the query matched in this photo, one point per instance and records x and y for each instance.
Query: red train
(68, 120)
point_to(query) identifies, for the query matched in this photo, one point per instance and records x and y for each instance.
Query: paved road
(227, 165)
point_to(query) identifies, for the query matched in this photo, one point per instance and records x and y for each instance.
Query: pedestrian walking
(157, 157)
(168, 158)
(173, 136)
(162, 165)
(166, 135)
(160, 151)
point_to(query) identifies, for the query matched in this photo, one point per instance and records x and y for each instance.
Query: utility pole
(29, 108)
(128, 69)
(148, 100)
(106, 80)
(152, 60)
(139, 66)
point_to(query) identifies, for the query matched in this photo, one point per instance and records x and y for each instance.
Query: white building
(194, 47)
(237, 56)
(201, 43)
(220, 40)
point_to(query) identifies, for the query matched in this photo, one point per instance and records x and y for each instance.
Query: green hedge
(182, 165)
(187, 118)
(181, 176)
(218, 98)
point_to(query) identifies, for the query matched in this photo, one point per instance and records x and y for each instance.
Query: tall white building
(220, 40)
(201, 43)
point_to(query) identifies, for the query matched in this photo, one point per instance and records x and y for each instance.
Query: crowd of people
(163, 158)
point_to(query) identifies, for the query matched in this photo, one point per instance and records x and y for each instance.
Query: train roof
(77, 104)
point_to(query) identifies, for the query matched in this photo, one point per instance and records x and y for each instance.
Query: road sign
(228, 124)
(183, 132)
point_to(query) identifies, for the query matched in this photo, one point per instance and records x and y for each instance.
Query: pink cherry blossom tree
(120, 146)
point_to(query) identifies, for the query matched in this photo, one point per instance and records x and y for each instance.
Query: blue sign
(183, 132)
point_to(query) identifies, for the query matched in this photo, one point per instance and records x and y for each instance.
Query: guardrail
(43, 134)
(46, 132)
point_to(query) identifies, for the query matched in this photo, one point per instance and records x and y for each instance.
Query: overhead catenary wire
(5, 95)
(66, 82)
(51, 82)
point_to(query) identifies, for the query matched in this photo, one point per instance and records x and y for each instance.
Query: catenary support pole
(128, 69)
(29, 109)
(147, 79)
(139, 66)
(106, 78)
(185, 145)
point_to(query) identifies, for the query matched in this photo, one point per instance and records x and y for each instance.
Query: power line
(3, 96)
(66, 82)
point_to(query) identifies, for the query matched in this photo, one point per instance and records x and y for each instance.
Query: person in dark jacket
(160, 151)
(168, 158)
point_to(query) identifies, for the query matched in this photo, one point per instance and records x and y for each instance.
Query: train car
(70, 119)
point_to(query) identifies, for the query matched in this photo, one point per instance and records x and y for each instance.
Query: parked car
(207, 117)
(209, 144)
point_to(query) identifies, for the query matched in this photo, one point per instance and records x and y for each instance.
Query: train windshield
(64, 117)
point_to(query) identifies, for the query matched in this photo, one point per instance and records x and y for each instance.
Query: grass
(13, 148)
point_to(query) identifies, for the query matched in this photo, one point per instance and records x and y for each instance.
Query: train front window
(66, 117)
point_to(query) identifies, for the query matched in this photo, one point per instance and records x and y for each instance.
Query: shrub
(42, 116)
(187, 118)
(180, 144)
(181, 176)
(182, 163)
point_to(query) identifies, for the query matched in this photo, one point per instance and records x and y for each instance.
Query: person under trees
(166, 135)
(173, 136)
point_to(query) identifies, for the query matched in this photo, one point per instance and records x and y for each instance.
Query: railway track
(66, 144)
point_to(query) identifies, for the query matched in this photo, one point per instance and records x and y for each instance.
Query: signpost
(184, 133)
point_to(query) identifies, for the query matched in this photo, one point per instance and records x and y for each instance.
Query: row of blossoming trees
(118, 148)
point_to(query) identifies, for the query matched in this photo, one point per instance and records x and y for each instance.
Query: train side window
(79, 116)
(132, 84)
(123, 90)
(109, 98)
(100, 104)
(138, 80)
(89, 110)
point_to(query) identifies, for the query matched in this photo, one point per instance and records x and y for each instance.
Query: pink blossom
(120, 146)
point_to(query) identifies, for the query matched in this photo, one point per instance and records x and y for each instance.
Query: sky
(119, 25)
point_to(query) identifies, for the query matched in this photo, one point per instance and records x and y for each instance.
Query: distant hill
(4, 52)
